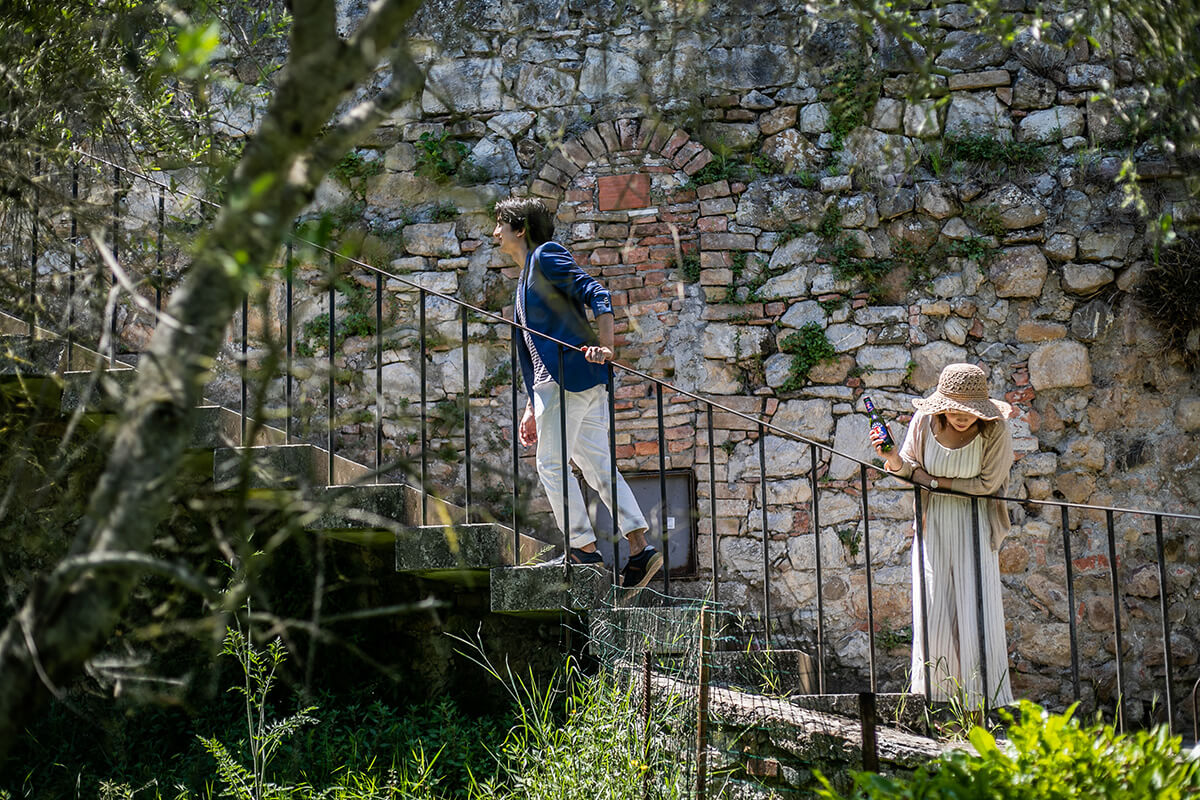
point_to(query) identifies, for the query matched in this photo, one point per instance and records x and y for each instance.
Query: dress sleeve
(560, 269)
(910, 451)
(996, 463)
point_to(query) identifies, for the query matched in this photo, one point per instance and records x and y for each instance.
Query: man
(552, 292)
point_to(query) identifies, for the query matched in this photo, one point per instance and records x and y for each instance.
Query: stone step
(546, 590)
(101, 391)
(283, 466)
(22, 357)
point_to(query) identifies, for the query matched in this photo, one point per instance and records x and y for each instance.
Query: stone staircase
(347, 506)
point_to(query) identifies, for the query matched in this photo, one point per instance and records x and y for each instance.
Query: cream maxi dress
(953, 654)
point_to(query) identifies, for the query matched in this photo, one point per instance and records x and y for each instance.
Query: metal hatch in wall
(680, 517)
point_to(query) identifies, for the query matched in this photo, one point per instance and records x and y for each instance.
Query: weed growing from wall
(1169, 294)
(808, 347)
(850, 96)
(443, 159)
(354, 166)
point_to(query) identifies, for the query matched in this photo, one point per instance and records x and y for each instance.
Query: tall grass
(583, 736)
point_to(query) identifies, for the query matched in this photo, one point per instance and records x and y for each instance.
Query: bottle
(877, 424)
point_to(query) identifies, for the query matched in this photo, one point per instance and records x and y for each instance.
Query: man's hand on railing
(527, 430)
(597, 354)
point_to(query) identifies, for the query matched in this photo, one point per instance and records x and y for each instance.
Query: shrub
(1047, 756)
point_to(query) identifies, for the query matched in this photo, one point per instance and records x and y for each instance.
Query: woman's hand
(923, 478)
(890, 458)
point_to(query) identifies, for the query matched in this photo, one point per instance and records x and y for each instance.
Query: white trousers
(587, 446)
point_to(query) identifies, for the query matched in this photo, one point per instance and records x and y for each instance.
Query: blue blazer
(556, 294)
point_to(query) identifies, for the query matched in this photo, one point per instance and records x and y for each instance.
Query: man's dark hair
(528, 214)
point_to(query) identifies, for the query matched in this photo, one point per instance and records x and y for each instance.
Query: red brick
(625, 451)
(604, 256)
(646, 448)
(595, 145)
(608, 133)
(627, 130)
(543, 189)
(655, 278)
(685, 217)
(715, 259)
(621, 269)
(624, 191)
(712, 224)
(613, 230)
(635, 255)
(680, 446)
(710, 190)
(702, 160)
(649, 229)
(651, 240)
(619, 299)
(576, 153)
(678, 139)
(687, 153)
(638, 295)
(625, 282)
(682, 196)
(662, 131)
(775, 309)
(727, 241)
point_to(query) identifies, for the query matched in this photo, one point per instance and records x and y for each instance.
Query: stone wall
(712, 172)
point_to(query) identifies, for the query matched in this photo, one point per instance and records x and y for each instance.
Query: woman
(958, 441)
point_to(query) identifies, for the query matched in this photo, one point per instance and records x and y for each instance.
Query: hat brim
(938, 403)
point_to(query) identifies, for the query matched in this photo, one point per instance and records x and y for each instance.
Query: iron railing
(817, 450)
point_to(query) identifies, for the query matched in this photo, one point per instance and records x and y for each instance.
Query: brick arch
(626, 136)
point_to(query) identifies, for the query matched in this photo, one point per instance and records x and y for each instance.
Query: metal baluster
(566, 466)
(662, 491)
(977, 547)
(243, 365)
(712, 504)
(815, 520)
(33, 254)
(116, 221)
(466, 395)
(766, 534)
(1116, 603)
(332, 386)
(378, 376)
(866, 520)
(287, 389)
(1166, 621)
(424, 426)
(1070, 566)
(919, 555)
(74, 263)
(158, 252)
(612, 475)
(516, 445)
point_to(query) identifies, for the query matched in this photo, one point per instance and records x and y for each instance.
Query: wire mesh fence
(733, 698)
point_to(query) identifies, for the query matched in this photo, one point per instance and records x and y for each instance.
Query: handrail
(766, 426)
(465, 309)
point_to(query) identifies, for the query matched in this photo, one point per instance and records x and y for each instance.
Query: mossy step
(547, 589)
(21, 356)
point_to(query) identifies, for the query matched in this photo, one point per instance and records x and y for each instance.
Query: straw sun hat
(962, 387)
